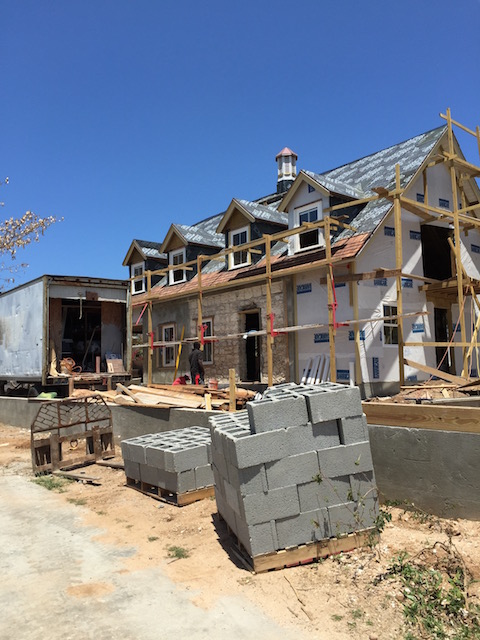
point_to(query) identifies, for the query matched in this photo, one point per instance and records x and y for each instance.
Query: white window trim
(234, 232)
(318, 205)
(205, 361)
(165, 364)
(171, 255)
(138, 265)
(390, 324)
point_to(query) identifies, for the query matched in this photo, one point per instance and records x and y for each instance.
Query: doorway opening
(442, 334)
(436, 257)
(252, 347)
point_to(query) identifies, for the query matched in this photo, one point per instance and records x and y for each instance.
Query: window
(445, 204)
(390, 325)
(138, 272)
(177, 258)
(309, 238)
(420, 197)
(237, 238)
(208, 346)
(167, 334)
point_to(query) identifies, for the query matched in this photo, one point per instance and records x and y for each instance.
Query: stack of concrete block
(176, 461)
(294, 467)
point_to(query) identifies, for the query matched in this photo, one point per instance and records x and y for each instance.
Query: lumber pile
(168, 396)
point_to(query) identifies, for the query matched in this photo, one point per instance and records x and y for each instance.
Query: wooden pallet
(303, 554)
(178, 499)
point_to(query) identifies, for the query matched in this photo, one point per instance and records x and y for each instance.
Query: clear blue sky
(123, 116)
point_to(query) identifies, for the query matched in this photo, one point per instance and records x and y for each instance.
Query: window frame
(302, 211)
(138, 265)
(208, 346)
(163, 362)
(390, 327)
(172, 272)
(233, 255)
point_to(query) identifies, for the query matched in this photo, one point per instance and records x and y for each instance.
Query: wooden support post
(200, 296)
(331, 326)
(356, 329)
(149, 348)
(268, 274)
(456, 227)
(232, 397)
(397, 213)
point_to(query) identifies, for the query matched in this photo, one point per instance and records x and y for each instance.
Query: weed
(336, 617)
(177, 552)
(318, 478)
(52, 483)
(78, 501)
(152, 538)
(435, 605)
(357, 613)
(101, 513)
(382, 519)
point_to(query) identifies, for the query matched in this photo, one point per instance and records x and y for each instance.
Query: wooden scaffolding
(457, 288)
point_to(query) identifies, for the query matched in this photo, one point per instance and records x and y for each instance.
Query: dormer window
(313, 237)
(236, 239)
(138, 275)
(177, 258)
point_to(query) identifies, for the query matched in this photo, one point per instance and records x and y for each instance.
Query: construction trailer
(374, 280)
(55, 323)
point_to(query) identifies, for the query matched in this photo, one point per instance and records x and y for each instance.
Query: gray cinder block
(327, 492)
(353, 429)
(203, 476)
(306, 527)
(263, 507)
(292, 470)
(224, 509)
(259, 448)
(272, 414)
(325, 403)
(367, 512)
(345, 460)
(248, 481)
(343, 519)
(149, 475)
(132, 470)
(155, 455)
(258, 539)
(363, 486)
(182, 458)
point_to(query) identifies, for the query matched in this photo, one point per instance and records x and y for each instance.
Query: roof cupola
(287, 169)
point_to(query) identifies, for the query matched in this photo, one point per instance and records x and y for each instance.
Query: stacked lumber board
(168, 396)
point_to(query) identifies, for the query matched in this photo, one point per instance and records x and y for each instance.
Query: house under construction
(367, 273)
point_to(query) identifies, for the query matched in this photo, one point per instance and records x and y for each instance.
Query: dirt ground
(342, 597)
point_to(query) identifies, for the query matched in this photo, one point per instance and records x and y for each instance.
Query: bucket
(213, 383)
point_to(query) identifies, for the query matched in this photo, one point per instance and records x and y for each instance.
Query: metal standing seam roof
(355, 179)
(378, 169)
(151, 249)
(197, 235)
(267, 213)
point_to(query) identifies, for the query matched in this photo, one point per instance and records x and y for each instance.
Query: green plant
(435, 604)
(177, 552)
(336, 617)
(51, 483)
(152, 538)
(357, 613)
(78, 501)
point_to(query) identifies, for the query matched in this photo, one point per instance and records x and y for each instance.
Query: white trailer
(74, 319)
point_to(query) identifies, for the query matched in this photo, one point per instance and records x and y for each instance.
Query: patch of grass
(435, 604)
(177, 552)
(336, 617)
(357, 613)
(51, 483)
(80, 502)
(151, 538)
